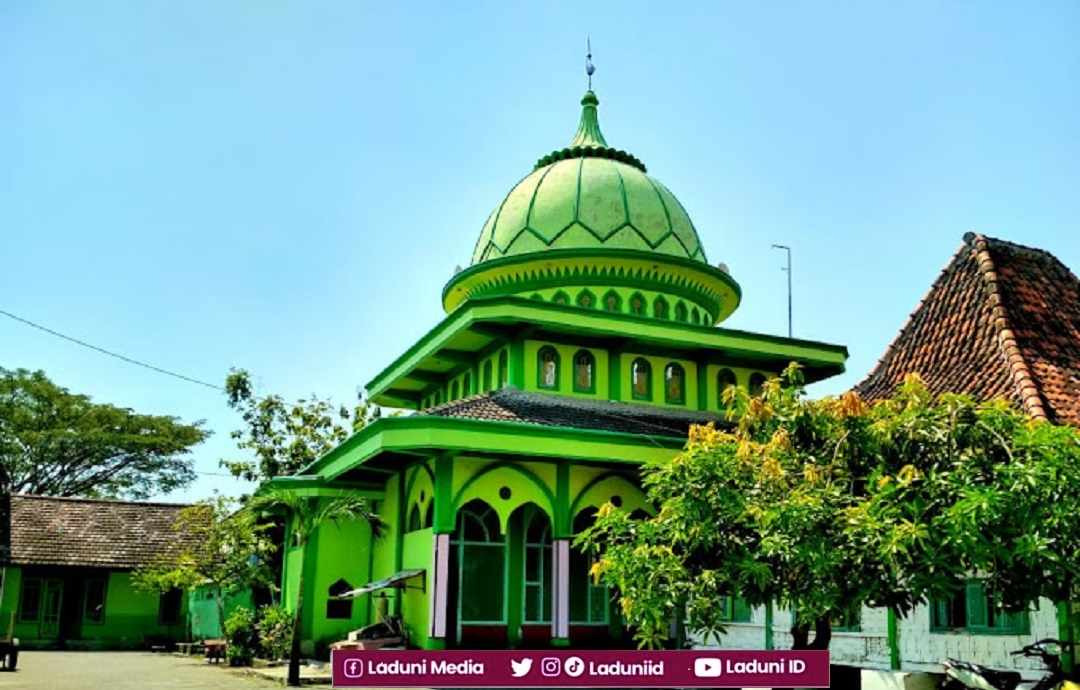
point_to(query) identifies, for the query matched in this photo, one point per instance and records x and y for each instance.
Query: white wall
(920, 650)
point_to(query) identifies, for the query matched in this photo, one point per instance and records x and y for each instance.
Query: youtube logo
(707, 668)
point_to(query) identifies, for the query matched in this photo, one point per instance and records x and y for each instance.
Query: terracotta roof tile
(548, 409)
(90, 532)
(1002, 320)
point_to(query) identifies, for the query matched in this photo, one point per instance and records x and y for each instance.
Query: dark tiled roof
(1002, 320)
(548, 409)
(94, 533)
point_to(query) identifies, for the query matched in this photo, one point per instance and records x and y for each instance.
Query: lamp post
(788, 269)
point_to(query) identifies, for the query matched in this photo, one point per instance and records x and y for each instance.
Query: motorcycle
(964, 674)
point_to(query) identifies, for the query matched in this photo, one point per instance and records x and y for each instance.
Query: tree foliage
(826, 505)
(286, 437)
(57, 443)
(219, 545)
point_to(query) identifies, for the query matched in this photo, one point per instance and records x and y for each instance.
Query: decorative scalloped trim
(591, 152)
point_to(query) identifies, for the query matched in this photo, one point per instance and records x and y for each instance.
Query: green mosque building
(582, 342)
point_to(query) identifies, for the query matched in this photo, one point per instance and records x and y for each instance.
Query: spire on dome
(588, 133)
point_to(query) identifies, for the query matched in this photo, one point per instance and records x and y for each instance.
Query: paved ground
(124, 671)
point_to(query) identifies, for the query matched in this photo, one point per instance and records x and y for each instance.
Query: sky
(285, 187)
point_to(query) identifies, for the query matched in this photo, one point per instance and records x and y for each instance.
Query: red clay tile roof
(89, 532)
(549, 409)
(1002, 320)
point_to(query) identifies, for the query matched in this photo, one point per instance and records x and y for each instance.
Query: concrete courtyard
(125, 671)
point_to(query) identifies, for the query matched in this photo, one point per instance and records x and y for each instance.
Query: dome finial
(589, 68)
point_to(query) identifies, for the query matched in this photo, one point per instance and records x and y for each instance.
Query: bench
(215, 651)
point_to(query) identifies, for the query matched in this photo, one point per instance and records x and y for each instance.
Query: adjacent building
(1001, 321)
(66, 575)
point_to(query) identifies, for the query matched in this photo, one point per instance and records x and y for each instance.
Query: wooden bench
(215, 651)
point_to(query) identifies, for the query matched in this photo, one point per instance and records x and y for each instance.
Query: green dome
(589, 196)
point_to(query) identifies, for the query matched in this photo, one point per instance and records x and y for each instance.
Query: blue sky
(286, 187)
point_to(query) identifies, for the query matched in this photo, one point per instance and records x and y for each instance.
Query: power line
(110, 353)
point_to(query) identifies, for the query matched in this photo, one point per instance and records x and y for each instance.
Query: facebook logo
(354, 668)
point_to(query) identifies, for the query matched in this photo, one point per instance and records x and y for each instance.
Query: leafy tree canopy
(217, 544)
(286, 437)
(826, 505)
(57, 443)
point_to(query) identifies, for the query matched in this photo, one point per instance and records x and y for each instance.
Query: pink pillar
(560, 590)
(439, 584)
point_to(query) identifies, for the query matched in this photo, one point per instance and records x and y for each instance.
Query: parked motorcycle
(964, 674)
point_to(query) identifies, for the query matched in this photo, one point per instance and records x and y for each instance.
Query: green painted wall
(131, 617)
(599, 293)
(658, 365)
(203, 612)
(566, 369)
(418, 552)
(342, 553)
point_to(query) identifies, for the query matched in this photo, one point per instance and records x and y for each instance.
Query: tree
(825, 505)
(286, 437)
(57, 443)
(219, 545)
(305, 515)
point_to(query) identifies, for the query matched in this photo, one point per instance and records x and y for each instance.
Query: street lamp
(788, 269)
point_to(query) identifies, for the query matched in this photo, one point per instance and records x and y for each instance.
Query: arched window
(482, 562)
(561, 298)
(504, 371)
(674, 384)
(486, 380)
(695, 317)
(414, 519)
(586, 299)
(338, 608)
(637, 304)
(429, 514)
(757, 382)
(584, 372)
(589, 601)
(537, 566)
(612, 301)
(466, 385)
(641, 379)
(680, 312)
(660, 308)
(725, 379)
(454, 391)
(547, 375)
(438, 398)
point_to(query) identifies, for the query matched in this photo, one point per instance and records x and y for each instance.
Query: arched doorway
(477, 611)
(530, 575)
(593, 622)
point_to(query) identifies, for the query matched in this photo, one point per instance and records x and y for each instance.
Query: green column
(517, 363)
(894, 641)
(702, 384)
(614, 375)
(1065, 633)
(768, 625)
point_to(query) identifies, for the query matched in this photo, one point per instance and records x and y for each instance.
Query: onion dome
(589, 220)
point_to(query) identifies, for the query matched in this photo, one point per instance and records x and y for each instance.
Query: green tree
(218, 544)
(304, 516)
(286, 437)
(825, 505)
(58, 443)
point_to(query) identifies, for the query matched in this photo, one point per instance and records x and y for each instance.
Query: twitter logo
(520, 668)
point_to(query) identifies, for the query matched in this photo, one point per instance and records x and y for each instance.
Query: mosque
(582, 342)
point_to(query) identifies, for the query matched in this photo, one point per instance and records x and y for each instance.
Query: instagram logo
(550, 666)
